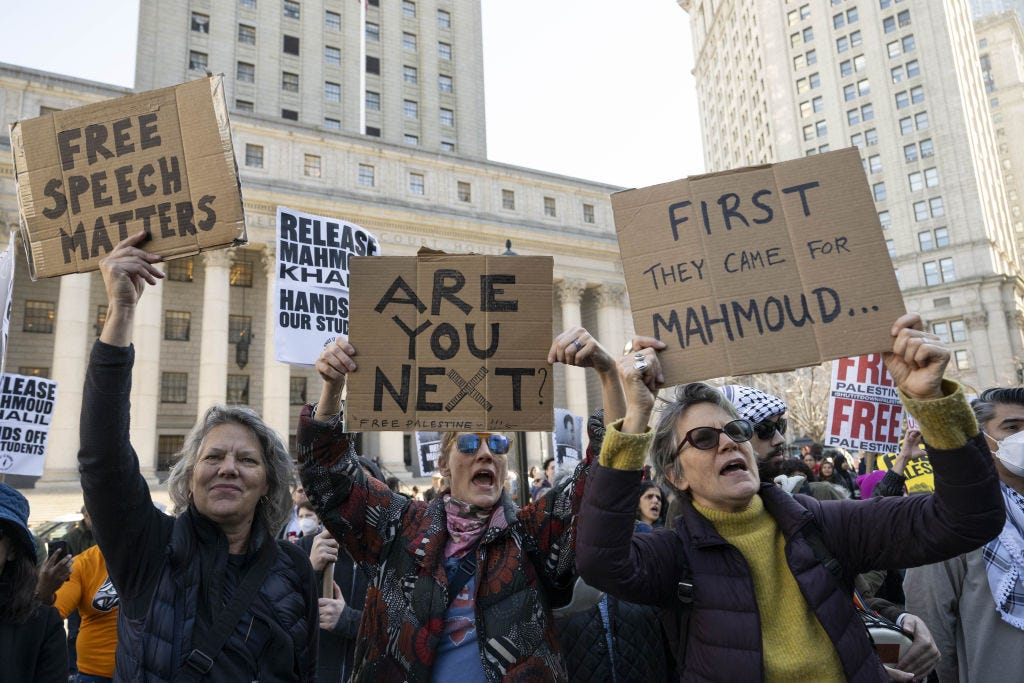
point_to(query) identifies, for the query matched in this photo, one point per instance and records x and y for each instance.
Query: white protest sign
(311, 292)
(26, 407)
(568, 441)
(864, 411)
(6, 292)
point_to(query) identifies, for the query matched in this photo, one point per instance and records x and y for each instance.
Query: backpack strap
(463, 573)
(814, 538)
(675, 619)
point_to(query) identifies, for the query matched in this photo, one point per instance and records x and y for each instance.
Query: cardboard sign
(428, 448)
(760, 269)
(159, 161)
(864, 411)
(311, 290)
(6, 292)
(450, 343)
(26, 407)
(567, 440)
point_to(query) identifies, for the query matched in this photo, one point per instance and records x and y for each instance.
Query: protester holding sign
(462, 586)
(765, 602)
(209, 590)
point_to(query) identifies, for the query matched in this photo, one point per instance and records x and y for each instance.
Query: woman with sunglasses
(764, 604)
(461, 588)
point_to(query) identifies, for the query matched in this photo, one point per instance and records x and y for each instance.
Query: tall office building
(375, 118)
(984, 8)
(900, 80)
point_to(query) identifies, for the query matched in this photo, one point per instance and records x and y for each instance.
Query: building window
(931, 177)
(913, 69)
(372, 32)
(871, 137)
(197, 61)
(177, 325)
(290, 114)
(411, 139)
(941, 238)
(170, 445)
(372, 101)
(410, 109)
(842, 44)
(366, 176)
(936, 207)
(333, 124)
(332, 55)
(311, 166)
(447, 117)
(245, 73)
(588, 213)
(867, 112)
(903, 18)
(180, 270)
(174, 387)
(372, 64)
(890, 246)
(238, 327)
(926, 148)
(409, 41)
(237, 389)
(917, 94)
(373, 131)
(38, 317)
(240, 274)
(931, 273)
(297, 391)
(244, 106)
(549, 207)
(410, 74)
(291, 45)
(291, 9)
(34, 371)
(444, 51)
(908, 43)
(884, 219)
(408, 9)
(817, 104)
(416, 184)
(332, 21)
(447, 146)
(200, 23)
(246, 34)
(821, 129)
(925, 241)
(946, 269)
(856, 39)
(916, 181)
(332, 92)
(508, 200)
(878, 191)
(875, 163)
(902, 99)
(444, 19)
(444, 83)
(289, 81)
(251, 4)
(812, 57)
(962, 360)
(853, 117)
(957, 331)
(464, 191)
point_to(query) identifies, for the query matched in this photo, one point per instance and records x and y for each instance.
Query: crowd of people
(686, 545)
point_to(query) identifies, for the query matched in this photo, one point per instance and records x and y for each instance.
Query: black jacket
(34, 650)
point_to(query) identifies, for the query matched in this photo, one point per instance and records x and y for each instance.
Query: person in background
(309, 522)
(291, 530)
(894, 481)
(90, 593)
(974, 603)
(32, 640)
(650, 507)
(545, 484)
(78, 539)
(767, 413)
(210, 589)
(764, 604)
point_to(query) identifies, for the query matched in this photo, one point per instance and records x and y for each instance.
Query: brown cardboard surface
(760, 269)
(508, 387)
(163, 162)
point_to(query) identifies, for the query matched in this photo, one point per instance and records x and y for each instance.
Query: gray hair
(665, 447)
(273, 508)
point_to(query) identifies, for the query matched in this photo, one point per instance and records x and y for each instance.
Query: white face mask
(308, 525)
(1011, 453)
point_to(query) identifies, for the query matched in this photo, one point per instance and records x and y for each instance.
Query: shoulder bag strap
(464, 572)
(200, 661)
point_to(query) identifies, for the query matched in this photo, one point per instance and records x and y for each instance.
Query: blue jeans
(89, 678)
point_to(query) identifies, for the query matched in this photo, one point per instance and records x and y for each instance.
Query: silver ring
(640, 365)
(577, 343)
(638, 356)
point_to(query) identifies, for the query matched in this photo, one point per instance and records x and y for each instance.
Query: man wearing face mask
(974, 604)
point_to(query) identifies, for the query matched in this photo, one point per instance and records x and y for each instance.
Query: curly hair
(665, 446)
(273, 508)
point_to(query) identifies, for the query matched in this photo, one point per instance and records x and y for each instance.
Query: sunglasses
(706, 438)
(470, 443)
(766, 429)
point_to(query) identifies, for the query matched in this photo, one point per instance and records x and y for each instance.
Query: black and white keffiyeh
(753, 404)
(1004, 561)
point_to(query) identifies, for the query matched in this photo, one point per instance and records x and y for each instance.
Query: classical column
(213, 349)
(390, 449)
(276, 376)
(610, 330)
(569, 294)
(73, 338)
(146, 336)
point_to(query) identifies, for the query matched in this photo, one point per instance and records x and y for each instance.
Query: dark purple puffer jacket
(724, 642)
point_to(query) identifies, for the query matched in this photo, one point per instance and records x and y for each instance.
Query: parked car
(55, 529)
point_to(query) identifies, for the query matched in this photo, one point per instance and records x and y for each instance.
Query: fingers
(907, 321)
(336, 591)
(897, 675)
(335, 361)
(640, 342)
(572, 347)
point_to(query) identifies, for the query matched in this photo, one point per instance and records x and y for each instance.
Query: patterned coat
(525, 560)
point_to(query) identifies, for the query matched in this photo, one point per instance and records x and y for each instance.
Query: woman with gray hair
(208, 594)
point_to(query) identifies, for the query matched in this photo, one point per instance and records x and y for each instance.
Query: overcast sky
(595, 89)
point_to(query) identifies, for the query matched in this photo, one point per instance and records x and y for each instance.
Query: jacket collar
(789, 514)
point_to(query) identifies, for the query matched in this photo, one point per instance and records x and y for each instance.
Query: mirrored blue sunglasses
(470, 443)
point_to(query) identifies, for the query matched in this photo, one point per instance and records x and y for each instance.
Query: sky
(593, 89)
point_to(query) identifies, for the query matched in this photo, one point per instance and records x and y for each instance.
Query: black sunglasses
(706, 438)
(470, 443)
(766, 429)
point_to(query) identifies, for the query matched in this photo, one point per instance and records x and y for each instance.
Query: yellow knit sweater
(795, 646)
